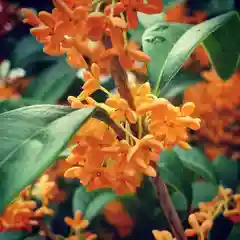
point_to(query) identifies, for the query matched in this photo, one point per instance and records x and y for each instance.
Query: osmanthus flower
(102, 159)
(179, 13)
(121, 110)
(128, 56)
(131, 7)
(47, 190)
(72, 29)
(116, 215)
(100, 24)
(234, 214)
(79, 224)
(162, 235)
(22, 215)
(169, 123)
(201, 221)
(218, 108)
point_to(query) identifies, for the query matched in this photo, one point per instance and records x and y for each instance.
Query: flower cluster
(201, 221)
(78, 225)
(219, 110)
(225, 202)
(22, 214)
(103, 159)
(72, 30)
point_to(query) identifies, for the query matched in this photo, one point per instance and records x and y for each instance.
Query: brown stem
(168, 208)
(120, 76)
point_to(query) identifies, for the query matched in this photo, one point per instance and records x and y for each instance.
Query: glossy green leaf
(31, 138)
(158, 41)
(11, 104)
(203, 192)
(148, 20)
(213, 35)
(52, 83)
(227, 170)
(91, 203)
(194, 160)
(180, 82)
(235, 233)
(173, 173)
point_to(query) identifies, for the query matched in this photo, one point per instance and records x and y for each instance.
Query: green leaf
(203, 192)
(179, 83)
(11, 104)
(158, 41)
(148, 20)
(180, 203)
(235, 233)
(31, 139)
(12, 235)
(173, 173)
(27, 51)
(91, 203)
(210, 34)
(227, 170)
(194, 160)
(52, 83)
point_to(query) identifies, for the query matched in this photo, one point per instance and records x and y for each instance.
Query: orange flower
(127, 55)
(116, 215)
(45, 189)
(217, 106)
(98, 24)
(131, 8)
(162, 235)
(179, 13)
(121, 110)
(77, 222)
(200, 229)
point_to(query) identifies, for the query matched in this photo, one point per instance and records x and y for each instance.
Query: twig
(119, 75)
(168, 208)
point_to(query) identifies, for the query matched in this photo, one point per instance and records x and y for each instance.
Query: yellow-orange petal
(95, 69)
(187, 109)
(30, 17)
(73, 172)
(47, 18)
(139, 55)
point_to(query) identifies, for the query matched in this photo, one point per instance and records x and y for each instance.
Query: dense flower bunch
(219, 110)
(201, 221)
(117, 153)
(102, 158)
(225, 202)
